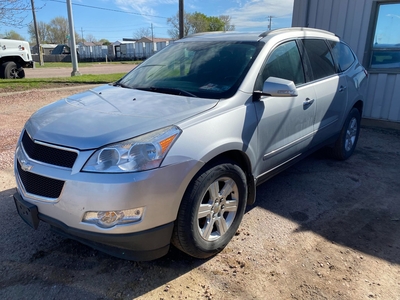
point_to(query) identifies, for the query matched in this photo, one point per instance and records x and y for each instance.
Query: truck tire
(10, 70)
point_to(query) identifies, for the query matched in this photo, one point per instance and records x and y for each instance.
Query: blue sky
(122, 18)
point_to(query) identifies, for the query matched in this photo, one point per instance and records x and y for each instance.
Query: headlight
(138, 154)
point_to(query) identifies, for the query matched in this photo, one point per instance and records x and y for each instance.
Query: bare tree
(44, 32)
(226, 20)
(58, 31)
(14, 12)
(90, 38)
(142, 32)
(174, 23)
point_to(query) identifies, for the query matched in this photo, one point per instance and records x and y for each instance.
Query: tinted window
(284, 62)
(343, 55)
(320, 58)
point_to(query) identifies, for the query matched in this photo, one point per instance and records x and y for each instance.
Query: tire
(207, 220)
(10, 70)
(347, 140)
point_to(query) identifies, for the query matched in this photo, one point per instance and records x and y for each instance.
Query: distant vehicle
(173, 152)
(61, 49)
(14, 57)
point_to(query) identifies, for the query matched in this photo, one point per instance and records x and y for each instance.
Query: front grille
(40, 185)
(49, 155)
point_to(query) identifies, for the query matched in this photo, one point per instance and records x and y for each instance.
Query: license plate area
(27, 211)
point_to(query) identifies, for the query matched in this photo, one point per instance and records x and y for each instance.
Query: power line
(110, 9)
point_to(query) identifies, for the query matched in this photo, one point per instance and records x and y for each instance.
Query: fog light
(108, 219)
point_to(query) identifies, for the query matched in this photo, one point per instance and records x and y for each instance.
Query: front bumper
(29, 64)
(139, 246)
(158, 192)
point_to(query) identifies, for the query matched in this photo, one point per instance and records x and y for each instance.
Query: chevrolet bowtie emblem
(25, 165)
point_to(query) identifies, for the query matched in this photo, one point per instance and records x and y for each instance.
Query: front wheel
(10, 70)
(211, 210)
(347, 140)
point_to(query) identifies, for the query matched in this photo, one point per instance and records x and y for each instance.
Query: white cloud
(255, 13)
(144, 7)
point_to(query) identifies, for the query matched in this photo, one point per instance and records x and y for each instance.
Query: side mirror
(278, 87)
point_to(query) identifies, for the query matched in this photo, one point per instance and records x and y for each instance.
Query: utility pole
(270, 22)
(181, 19)
(82, 35)
(74, 59)
(152, 36)
(37, 35)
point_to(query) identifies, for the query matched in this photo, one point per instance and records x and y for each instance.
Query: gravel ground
(320, 230)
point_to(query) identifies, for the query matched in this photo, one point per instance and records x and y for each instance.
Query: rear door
(330, 89)
(285, 123)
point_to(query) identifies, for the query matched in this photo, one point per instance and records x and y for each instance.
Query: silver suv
(173, 152)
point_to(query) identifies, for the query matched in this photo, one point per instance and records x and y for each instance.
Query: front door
(285, 126)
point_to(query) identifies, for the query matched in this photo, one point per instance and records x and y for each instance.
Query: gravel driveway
(322, 229)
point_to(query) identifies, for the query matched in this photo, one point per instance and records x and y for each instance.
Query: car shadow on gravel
(38, 261)
(354, 203)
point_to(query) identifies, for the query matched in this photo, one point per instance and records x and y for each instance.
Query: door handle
(342, 88)
(307, 103)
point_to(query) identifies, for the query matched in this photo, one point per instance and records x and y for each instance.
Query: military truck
(14, 57)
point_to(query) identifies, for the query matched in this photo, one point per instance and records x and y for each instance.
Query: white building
(372, 29)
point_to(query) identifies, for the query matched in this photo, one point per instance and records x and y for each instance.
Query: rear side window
(342, 54)
(283, 62)
(320, 57)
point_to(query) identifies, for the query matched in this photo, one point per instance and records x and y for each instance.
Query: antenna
(270, 22)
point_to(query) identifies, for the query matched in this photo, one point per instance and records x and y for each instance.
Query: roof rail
(266, 33)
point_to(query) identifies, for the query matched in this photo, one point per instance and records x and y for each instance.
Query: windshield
(195, 69)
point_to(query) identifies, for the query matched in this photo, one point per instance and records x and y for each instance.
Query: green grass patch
(14, 85)
(83, 64)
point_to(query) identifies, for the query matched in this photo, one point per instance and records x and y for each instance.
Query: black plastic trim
(139, 246)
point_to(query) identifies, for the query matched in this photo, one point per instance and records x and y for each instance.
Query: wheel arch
(18, 60)
(243, 162)
(360, 106)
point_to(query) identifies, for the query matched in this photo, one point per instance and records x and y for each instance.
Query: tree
(142, 32)
(14, 12)
(13, 35)
(104, 42)
(90, 38)
(199, 22)
(174, 23)
(58, 31)
(226, 20)
(44, 32)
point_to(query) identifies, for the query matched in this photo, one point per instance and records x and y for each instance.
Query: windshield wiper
(172, 91)
(121, 85)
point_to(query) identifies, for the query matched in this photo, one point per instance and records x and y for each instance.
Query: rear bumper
(139, 246)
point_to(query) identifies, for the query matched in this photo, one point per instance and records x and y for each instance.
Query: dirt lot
(320, 230)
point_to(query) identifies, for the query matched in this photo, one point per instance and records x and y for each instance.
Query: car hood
(110, 114)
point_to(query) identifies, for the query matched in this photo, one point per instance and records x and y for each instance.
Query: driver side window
(283, 62)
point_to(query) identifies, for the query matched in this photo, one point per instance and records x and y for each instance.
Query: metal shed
(362, 24)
